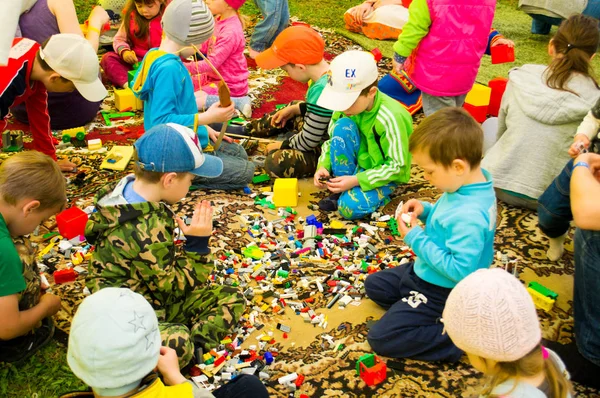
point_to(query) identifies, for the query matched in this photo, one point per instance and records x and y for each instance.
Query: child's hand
(403, 228)
(214, 135)
(66, 165)
(218, 114)
(398, 67)
(281, 117)
(168, 366)
(503, 42)
(413, 206)
(341, 184)
(361, 11)
(51, 303)
(201, 221)
(129, 56)
(274, 146)
(322, 173)
(580, 142)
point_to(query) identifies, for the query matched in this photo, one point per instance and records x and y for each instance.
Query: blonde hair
(32, 175)
(530, 365)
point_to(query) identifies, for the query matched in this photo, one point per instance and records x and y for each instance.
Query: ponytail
(574, 44)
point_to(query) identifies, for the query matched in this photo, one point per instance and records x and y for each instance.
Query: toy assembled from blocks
(166, 87)
(367, 154)
(458, 239)
(134, 234)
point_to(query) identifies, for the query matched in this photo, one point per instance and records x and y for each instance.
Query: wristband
(93, 29)
(399, 58)
(584, 164)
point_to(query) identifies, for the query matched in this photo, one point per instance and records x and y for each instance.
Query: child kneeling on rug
(298, 50)
(367, 155)
(166, 87)
(133, 232)
(115, 348)
(32, 188)
(458, 239)
(491, 316)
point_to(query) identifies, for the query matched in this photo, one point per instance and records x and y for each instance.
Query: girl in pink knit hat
(491, 316)
(225, 51)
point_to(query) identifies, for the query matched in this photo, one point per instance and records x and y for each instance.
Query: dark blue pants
(244, 386)
(405, 330)
(554, 206)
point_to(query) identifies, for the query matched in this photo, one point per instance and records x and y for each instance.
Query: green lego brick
(543, 290)
(260, 178)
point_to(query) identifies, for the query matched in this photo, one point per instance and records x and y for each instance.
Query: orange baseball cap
(295, 45)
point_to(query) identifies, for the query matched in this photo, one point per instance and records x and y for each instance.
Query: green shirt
(11, 267)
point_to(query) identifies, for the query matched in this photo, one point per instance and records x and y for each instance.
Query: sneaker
(19, 349)
(329, 203)
(247, 111)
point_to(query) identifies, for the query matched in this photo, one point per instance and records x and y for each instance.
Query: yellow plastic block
(285, 192)
(479, 95)
(95, 144)
(541, 301)
(125, 99)
(118, 158)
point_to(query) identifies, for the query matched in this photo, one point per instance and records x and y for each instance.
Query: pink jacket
(447, 59)
(139, 46)
(225, 50)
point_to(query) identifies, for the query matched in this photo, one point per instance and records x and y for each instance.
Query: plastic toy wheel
(66, 138)
(80, 136)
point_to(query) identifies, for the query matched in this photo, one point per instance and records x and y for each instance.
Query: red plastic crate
(498, 86)
(71, 222)
(502, 54)
(479, 113)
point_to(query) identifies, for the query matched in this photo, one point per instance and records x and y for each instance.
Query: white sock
(556, 249)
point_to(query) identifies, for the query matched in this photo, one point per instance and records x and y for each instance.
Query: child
(139, 32)
(587, 132)
(133, 234)
(114, 347)
(298, 50)
(458, 239)
(367, 154)
(165, 86)
(64, 63)
(32, 189)
(441, 47)
(542, 108)
(225, 51)
(276, 17)
(490, 315)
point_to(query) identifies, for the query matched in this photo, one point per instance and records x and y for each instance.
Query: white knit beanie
(491, 314)
(188, 22)
(114, 341)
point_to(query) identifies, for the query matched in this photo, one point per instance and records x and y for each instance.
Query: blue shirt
(130, 195)
(458, 238)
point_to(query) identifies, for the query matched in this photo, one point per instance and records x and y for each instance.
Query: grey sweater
(536, 126)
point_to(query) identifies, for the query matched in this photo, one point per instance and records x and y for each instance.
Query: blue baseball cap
(172, 148)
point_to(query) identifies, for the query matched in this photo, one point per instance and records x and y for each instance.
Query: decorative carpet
(305, 351)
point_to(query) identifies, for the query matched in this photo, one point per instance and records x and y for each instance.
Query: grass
(47, 373)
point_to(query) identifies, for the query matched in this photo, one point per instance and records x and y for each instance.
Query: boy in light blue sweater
(457, 240)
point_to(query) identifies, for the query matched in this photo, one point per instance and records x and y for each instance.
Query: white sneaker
(247, 111)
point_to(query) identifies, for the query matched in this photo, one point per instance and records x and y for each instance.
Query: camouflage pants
(29, 297)
(205, 317)
(261, 128)
(292, 163)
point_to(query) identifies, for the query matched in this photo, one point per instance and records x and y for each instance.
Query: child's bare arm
(16, 323)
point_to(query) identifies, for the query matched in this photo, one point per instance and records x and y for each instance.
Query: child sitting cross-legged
(458, 239)
(115, 348)
(134, 236)
(491, 316)
(367, 155)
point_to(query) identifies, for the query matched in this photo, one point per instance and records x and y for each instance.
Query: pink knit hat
(490, 314)
(235, 4)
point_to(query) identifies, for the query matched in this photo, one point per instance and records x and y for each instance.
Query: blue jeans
(586, 310)
(276, 17)
(345, 144)
(554, 206)
(243, 386)
(237, 169)
(541, 24)
(238, 102)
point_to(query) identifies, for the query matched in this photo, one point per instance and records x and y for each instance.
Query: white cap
(72, 57)
(349, 73)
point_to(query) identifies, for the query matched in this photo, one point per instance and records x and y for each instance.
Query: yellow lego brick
(206, 356)
(479, 95)
(125, 99)
(285, 192)
(264, 307)
(541, 301)
(336, 224)
(226, 341)
(95, 144)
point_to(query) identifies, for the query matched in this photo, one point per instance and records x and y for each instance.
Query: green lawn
(47, 373)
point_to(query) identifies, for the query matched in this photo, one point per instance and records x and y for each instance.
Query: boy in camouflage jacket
(134, 234)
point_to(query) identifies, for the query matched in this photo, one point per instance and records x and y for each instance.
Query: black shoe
(580, 368)
(329, 203)
(19, 349)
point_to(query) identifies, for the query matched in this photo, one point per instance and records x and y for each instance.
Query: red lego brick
(219, 360)
(479, 113)
(377, 54)
(64, 275)
(498, 86)
(502, 54)
(299, 381)
(71, 222)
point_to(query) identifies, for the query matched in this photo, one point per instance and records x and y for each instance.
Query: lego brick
(64, 275)
(479, 95)
(541, 301)
(71, 222)
(95, 144)
(498, 86)
(285, 192)
(502, 54)
(479, 113)
(124, 99)
(118, 158)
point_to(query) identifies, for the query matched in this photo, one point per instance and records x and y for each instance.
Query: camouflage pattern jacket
(135, 248)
